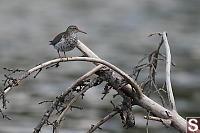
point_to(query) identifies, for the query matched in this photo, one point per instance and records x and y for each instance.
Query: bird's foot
(83, 55)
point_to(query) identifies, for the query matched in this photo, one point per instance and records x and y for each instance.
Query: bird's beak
(82, 31)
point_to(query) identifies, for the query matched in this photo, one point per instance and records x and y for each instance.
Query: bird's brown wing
(56, 39)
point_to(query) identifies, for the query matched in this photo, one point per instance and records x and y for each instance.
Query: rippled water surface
(117, 32)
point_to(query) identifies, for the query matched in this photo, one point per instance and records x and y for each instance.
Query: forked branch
(56, 102)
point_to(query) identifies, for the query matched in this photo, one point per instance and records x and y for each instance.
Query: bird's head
(74, 29)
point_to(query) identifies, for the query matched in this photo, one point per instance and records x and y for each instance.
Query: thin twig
(147, 122)
(37, 73)
(168, 66)
(108, 117)
(72, 101)
(166, 122)
(94, 82)
(153, 118)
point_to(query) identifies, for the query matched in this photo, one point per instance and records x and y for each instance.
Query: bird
(67, 40)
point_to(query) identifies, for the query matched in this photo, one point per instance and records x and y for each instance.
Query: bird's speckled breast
(66, 44)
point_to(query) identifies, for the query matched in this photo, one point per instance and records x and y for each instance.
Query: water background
(117, 32)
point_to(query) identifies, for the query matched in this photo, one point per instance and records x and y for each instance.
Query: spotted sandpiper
(66, 41)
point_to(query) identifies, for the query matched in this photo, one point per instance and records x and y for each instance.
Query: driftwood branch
(105, 70)
(176, 120)
(96, 60)
(168, 66)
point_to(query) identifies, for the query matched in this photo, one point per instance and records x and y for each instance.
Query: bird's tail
(50, 42)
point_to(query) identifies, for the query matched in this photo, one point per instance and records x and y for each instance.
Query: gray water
(117, 32)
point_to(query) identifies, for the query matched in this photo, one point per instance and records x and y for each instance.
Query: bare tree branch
(177, 121)
(85, 50)
(97, 60)
(168, 66)
(131, 90)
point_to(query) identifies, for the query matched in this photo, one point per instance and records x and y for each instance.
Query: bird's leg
(58, 53)
(65, 54)
(83, 55)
